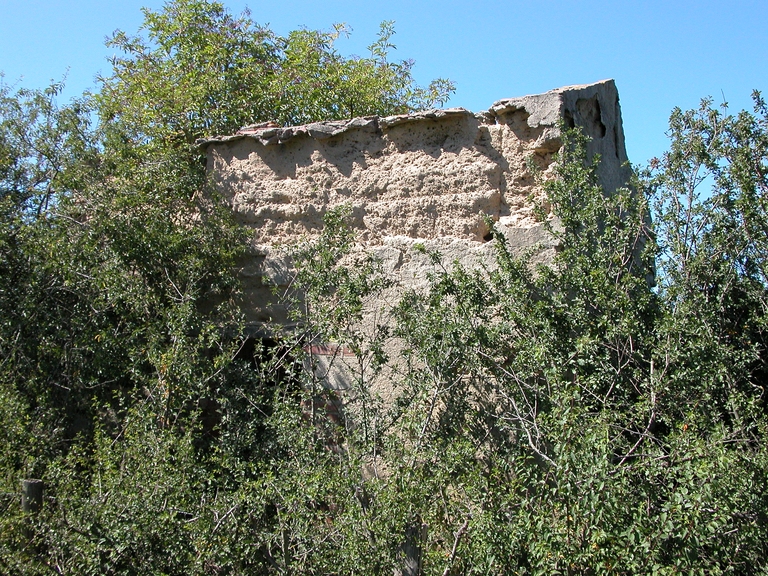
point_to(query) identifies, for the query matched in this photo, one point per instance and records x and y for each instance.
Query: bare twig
(452, 557)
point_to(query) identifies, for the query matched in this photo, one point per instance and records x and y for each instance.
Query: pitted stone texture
(428, 175)
(428, 178)
(416, 184)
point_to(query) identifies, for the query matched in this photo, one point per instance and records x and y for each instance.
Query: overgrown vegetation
(568, 419)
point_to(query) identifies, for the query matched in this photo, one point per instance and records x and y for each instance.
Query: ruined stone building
(427, 177)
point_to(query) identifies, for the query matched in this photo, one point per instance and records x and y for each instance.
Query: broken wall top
(426, 175)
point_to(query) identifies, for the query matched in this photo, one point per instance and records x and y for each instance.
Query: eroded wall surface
(427, 177)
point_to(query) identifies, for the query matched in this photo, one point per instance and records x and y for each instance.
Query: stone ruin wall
(426, 178)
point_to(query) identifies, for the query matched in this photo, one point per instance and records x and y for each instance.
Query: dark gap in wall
(568, 119)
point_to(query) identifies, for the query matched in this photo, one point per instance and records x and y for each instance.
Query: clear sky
(662, 54)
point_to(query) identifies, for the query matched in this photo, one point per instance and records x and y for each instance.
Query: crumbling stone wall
(427, 177)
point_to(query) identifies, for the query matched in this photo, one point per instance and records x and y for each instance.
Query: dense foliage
(602, 414)
(117, 323)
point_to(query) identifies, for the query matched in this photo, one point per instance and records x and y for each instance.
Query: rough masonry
(427, 177)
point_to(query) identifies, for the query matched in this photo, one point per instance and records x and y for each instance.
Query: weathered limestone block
(427, 177)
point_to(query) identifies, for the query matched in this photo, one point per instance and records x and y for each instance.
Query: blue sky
(661, 54)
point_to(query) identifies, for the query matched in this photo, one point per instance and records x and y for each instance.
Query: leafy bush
(124, 381)
(605, 413)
